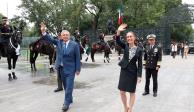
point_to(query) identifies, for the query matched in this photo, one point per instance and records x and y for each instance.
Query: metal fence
(162, 33)
(27, 40)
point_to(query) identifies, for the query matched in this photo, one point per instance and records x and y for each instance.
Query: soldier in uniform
(101, 37)
(6, 32)
(152, 60)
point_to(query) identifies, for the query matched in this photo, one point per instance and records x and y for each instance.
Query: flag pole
(7, 10)
(120, 11)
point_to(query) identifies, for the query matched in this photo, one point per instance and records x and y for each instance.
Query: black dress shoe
(145, 93)
(9, 77)
(65, 108)
(57, 90)
(14, 76)
(155, 94)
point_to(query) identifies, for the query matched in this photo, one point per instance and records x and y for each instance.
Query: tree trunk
(96, 20)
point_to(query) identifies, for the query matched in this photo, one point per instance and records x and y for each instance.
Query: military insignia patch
(156, 50)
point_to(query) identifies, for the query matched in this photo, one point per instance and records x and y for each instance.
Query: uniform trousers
(154, 74)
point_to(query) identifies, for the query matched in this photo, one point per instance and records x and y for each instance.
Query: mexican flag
(120, 18)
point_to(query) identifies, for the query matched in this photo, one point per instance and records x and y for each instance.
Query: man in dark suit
(152, 61)
(69, 60)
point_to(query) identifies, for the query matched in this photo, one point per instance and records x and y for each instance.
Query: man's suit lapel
(69, 47)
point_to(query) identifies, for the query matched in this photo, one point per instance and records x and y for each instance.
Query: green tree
(18, 22)
(93, 14)
(1, 15)
(56, 14)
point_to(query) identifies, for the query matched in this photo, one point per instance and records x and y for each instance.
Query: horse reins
(12, 44)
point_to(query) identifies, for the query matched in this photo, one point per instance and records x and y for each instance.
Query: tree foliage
(1, 15)
(93, 14)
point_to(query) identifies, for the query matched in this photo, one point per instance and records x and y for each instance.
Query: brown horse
(101, 47)
(43, 47)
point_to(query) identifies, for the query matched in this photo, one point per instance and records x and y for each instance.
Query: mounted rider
(110, 26)
(6, 31)
(101, 39)
(77, 36)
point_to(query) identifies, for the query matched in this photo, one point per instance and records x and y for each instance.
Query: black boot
(14, 76)
(52, 70)
(86, 59)
(10, 78)
(108, 60)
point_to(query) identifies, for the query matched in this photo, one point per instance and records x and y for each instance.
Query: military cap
(151, 36)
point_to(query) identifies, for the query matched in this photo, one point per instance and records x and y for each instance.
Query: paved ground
(96, 88)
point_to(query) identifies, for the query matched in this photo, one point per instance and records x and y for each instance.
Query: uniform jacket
(5, 29)
(152, 57)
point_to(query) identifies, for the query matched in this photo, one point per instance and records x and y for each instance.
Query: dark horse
(101, 47)
(43, 47)
(14, 41)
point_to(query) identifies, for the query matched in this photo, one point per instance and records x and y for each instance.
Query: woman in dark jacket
(131, 67)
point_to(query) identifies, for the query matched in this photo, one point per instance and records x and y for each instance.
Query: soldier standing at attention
(152, 60)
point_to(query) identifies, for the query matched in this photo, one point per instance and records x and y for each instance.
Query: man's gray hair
(63, 31)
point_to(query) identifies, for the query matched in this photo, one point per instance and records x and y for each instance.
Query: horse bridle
(10, 41)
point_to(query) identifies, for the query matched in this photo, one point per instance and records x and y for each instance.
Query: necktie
(61, 53)
(65, 49)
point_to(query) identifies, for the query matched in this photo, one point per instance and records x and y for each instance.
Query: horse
(41, 46)
(101, 47)
(9, 51)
